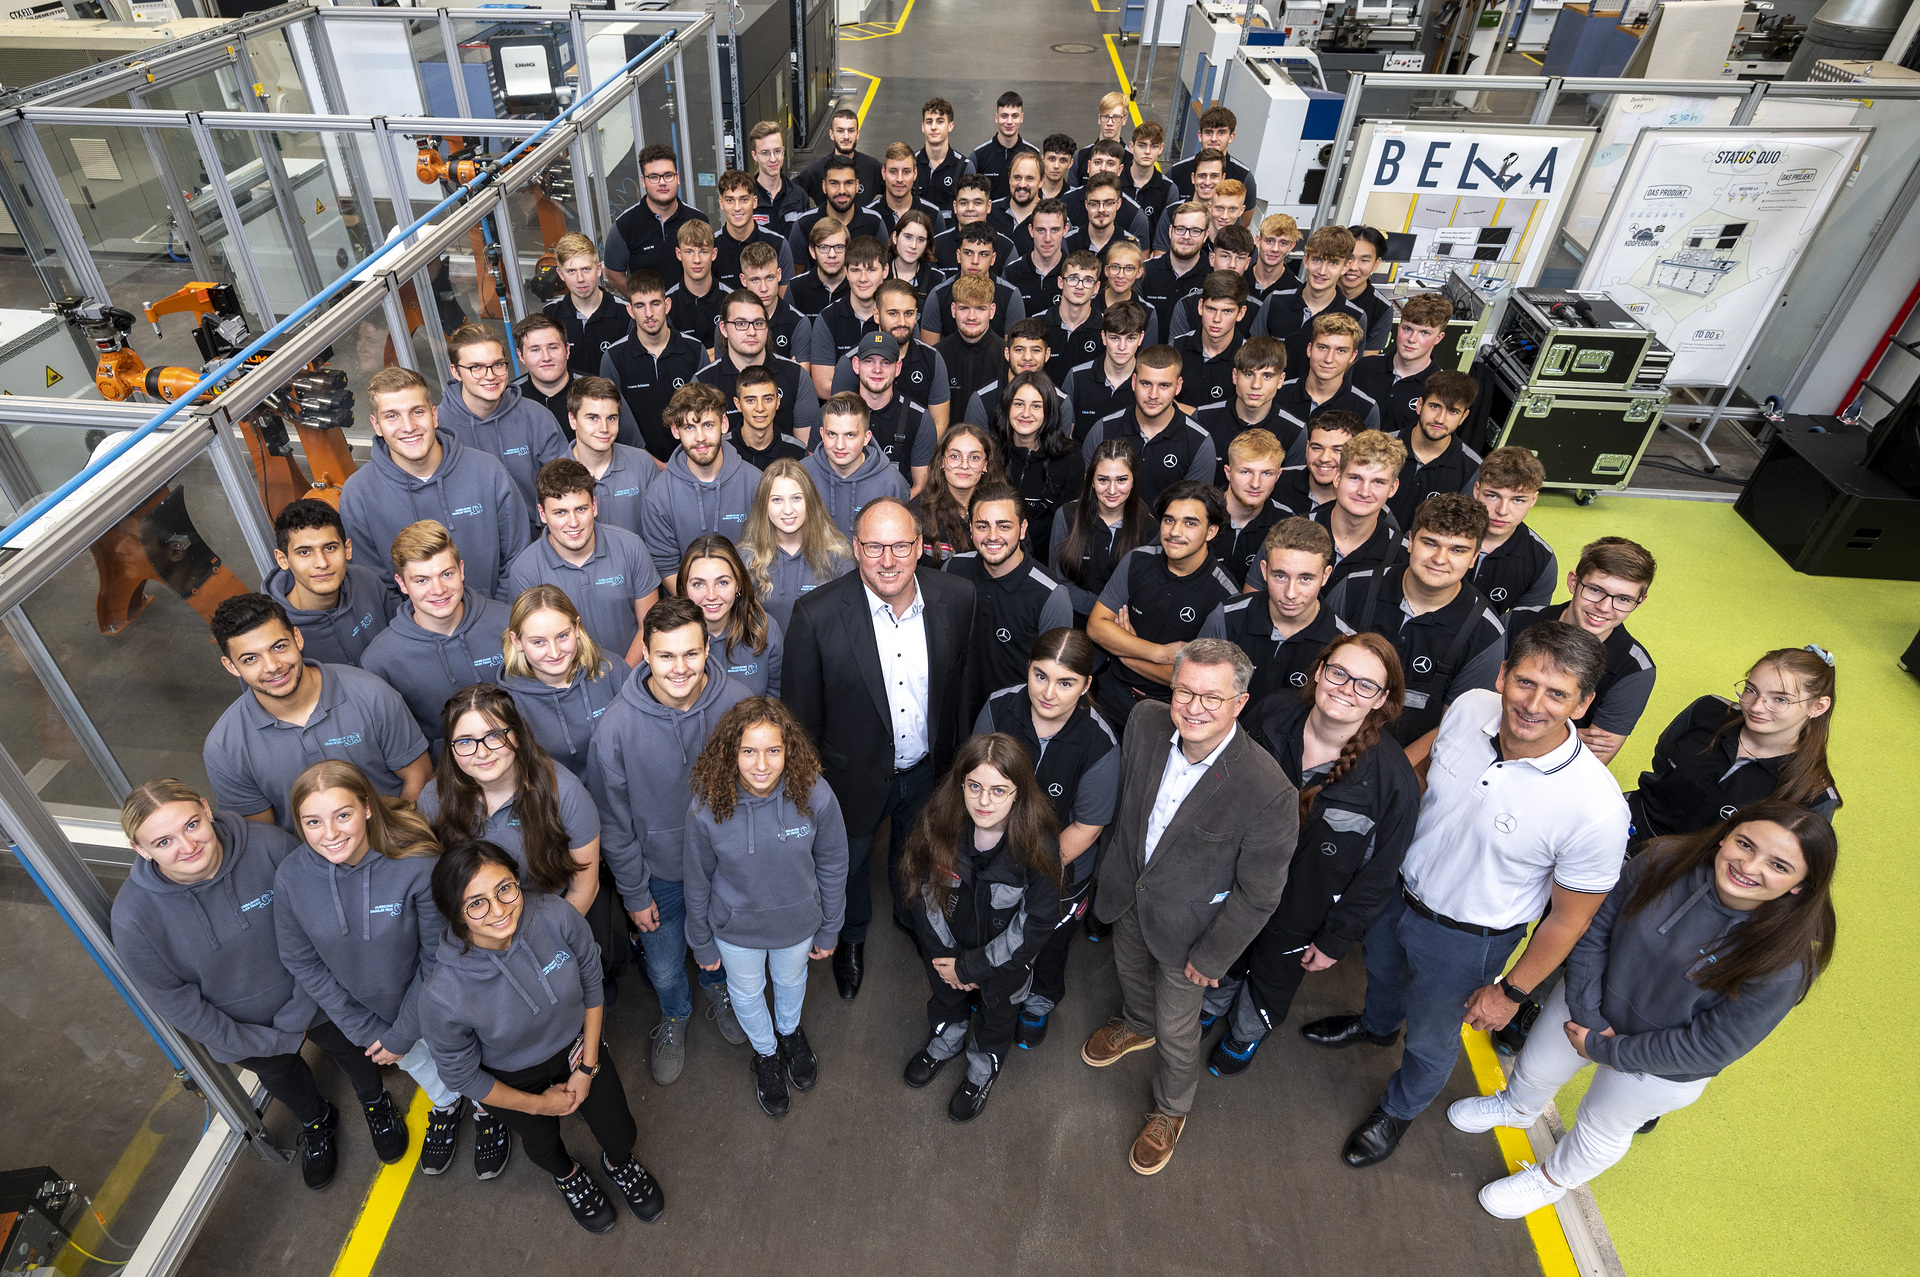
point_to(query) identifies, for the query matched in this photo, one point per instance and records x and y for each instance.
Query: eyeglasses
(1621, 602)
(1084, 281)
(1748, 694)
(747, 325)
(1365, 688)
(999, 793)
(898, 549)
(1118, 269)
(1113, 115)
(966, 461)
(661, 177)
(1187, 230)
(495, 368)
(1209, 701)
(495, 741)
(478, 907)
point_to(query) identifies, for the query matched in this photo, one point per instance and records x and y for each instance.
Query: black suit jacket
(831, 679)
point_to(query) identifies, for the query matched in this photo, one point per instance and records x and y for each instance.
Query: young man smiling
(1009, 216)
(1259, 366)
(1170, 279)
(923, 373)
(693, 304)
(1271, 272)
(903, 429)
(778, 203)
(1170, 445)
(1108, 159)
(848, 468)
(838, 328)
(994, 157)
(606, 571)
(1206, 353)
(1288, 313)
(1436, 459)
(843, 130)
(1104, 385)
(644, 237)
(1283, 625)
(972, 201)
(940, 167)
(753, 426)
(1517, 567)
(483, 409)
(814, 290)
(1314, 480)
(738, 229)
(1143, 180)
(1396, 379)
(706, 487)
(1037, 275)
(1364, 531)
(977, 256)
(743, 345)
(1323, 380)
(1448, 639)
(620, 473)
(1027, 351)
(337, 605)
(1014, 601)
(1231, 250)
(973, 352)
(1218, 127)
(1073, 322)
(839, 192)
(542, 343)
(649, 364)
(901, 174)
(761, 275)
(1253, 464)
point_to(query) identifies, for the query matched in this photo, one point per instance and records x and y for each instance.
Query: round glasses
(478, 907)
(1365, 688)
(496, 740)
(1209, 701)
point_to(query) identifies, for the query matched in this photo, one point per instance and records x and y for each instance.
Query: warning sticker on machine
(52, 376)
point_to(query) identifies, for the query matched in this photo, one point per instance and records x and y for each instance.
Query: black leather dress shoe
(921, 1069)
(1344, 1030)
(849, 967)
(1374, 1140)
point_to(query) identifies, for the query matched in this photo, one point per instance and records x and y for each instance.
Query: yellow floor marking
(1549, 1239)
(1113, 51)
(116, 1188)
(377, 1212)
(873, 87)
(878, 30)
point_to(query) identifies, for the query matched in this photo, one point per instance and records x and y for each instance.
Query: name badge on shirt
(1416, 700)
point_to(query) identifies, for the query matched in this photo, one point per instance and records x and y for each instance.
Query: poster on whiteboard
(1481, 200)
(1704, 230)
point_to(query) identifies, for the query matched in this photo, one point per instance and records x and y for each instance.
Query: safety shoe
(443, 1125)
(922, 1068)
(1479, 1113)
(669, 1048)
(1231, 1056)
(803, 1067)
(720, 1011)
(1153, 1147)
(318, 1156)
(1111, 1041)
(589, 1205)
(970, 1097)
(641, 1190)
(770, 1084)
(491, 1144)
(1031, 1031)
(1520, 1194)
(1512, 1036)
(389, 1132)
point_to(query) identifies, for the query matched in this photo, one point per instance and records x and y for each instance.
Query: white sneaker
(1484, 1112)
(1520, 1194)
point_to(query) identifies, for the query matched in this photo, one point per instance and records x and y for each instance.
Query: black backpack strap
(1373, 586)
(1457, 650)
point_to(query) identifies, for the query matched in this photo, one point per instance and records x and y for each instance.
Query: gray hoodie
(769, 877)
(360, 939)
(876, 477)
(489, 1011)
(339, 635)
(522, 434)
(562, 719)
(471, 495)
(1631, 975)
(206, 954)
(677, 507)
(426, 668)
(791, 578)
(758, 672)
(637, 770)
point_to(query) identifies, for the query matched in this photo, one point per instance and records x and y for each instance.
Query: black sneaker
(491, 1147)
(589, 1205)
(1646, 1127)
(641, 1190)
(1097, 930)
(389, 1131)
(318, 1156)
(970, 1098)
(803, 1067)
(922, 1068)
(1031, 1031)
(770, 1084)
(1508, 1039)
(1231, 1056)
(443, 1125)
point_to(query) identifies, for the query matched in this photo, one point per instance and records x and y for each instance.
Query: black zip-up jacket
(998, 914)
(642, 240)
(590, 336)
(994, 160)
(936, 183)
(1398, 397)
(1347, 860)
(778, 213)
(971, 364)
(1696, 781)
(1047, 483)
(1279, 664)
(647, 384)
(1160, 289)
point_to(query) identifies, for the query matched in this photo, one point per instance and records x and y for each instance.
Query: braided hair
(1371, 726)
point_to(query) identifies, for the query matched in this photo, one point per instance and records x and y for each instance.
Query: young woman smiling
(1092, 535)
(1705, 944)
(1037, 452)
(748, 641)
(1358, 800)
(908, 253)
(981, 874)
(968, 457)
(560, 679)
(789, 551)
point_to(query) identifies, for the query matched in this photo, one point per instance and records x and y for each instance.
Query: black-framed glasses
(1621, 602)
(1209, 701)
(899, 549)
(495, 741)
(478, 907)
(497, 367)
(1365, 688)
(747, 325)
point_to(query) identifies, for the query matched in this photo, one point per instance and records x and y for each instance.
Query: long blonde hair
(147, 798)
(588, 659)
(820, 542)
(394, 828)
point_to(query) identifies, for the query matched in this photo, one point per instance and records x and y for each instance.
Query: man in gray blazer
(1196, 860)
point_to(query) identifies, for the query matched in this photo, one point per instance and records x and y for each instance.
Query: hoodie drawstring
(233, 897)
(1686, 904)
(339, 910)
(519, 988)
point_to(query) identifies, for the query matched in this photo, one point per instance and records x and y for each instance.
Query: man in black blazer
(873, 669)
(1196, 859)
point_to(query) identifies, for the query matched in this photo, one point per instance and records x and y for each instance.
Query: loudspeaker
(1813, 500)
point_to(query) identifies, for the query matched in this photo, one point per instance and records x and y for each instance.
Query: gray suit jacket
(1233, 837)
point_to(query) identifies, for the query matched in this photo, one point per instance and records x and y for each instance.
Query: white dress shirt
(902, 641)
(1177, 780)
(1494, 835)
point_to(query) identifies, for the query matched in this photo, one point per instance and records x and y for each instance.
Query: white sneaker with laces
(1484, 1112)
(1520, 1194)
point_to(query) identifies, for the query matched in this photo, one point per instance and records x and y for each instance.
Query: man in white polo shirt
(1517, 812)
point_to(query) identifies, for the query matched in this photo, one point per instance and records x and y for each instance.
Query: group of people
(1226, 648)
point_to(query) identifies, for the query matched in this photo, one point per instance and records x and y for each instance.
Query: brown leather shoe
(1111, 1041)
(1153, 1147)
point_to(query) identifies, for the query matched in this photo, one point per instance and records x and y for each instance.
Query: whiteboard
(1704, 230)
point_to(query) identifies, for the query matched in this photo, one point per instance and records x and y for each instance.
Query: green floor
(1801, 1159)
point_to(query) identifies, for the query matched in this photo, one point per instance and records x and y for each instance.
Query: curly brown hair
(716, 773)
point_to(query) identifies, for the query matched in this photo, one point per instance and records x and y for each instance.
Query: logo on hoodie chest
(474, 510)
(521, 451)
(260, 901)
(559, 960)
(361, 625)
(344, 742)
(798, 831)
(390, 911)
(618, 578)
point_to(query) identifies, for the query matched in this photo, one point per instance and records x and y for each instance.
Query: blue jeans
(747, 985)
(1423, 973)
(418, 1064)
(666, 950)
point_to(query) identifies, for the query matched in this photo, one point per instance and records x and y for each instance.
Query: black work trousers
(289, 1079)
(604, 1111)
(1050, 966)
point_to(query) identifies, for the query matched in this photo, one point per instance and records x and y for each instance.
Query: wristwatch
(1515, 995)
(591, 1070)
